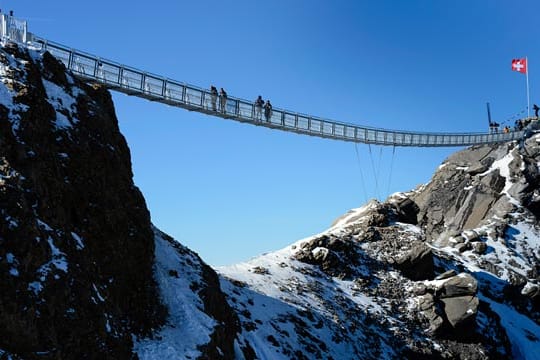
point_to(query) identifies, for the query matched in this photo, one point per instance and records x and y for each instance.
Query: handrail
(132, 81)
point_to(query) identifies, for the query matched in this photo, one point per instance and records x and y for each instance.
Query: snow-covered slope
(188, 326)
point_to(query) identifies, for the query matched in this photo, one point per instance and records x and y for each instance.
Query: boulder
(407, 211)
(476, 168)
(460, 310)
(460, 285)
(479, 247)
(417, 263)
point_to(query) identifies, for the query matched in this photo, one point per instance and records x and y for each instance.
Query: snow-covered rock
(449, 270)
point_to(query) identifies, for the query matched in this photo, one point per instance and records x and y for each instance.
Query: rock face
(77, 249)
(76, 246)
(449, 270)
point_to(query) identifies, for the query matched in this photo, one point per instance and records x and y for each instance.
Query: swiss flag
(519, 65)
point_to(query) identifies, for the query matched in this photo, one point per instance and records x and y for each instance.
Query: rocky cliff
(76, 246)
(447, 271)
(78, 270)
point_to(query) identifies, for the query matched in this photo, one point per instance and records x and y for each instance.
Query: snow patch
(35, 287)
(188, 327)
(63, 103)
(77, 238)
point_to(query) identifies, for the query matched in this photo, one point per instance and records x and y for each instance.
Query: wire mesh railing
(143, 84)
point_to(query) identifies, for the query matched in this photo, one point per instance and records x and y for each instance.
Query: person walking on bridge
(259, 103)
(536, 108)
(222, 100)
(213, 97)
(268, 110)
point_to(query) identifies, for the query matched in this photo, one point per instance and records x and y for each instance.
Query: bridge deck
(143, 84)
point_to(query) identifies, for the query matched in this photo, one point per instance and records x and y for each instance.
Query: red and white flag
(519, 65)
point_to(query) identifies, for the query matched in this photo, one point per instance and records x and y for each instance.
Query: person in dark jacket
(222, 100)
(213, 97)
(536, 108)
(268, 110)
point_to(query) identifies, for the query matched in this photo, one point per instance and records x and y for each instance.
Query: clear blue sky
(231, 191)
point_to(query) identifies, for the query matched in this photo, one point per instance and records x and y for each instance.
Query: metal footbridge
(135, 82)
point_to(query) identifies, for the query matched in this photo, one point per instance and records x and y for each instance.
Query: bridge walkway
(153, 87)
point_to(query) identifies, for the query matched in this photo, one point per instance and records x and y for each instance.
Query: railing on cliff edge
(153, 87)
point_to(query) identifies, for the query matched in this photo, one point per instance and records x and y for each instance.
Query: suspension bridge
(143, 84)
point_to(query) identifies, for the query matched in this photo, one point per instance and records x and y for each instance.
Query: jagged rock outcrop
(493, 211)
(76, 247)
(450, 299)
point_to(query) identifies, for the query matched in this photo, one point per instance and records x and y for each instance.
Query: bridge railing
(157, 88)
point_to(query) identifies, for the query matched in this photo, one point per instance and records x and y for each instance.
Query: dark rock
(417, 263)
(461, 310)
(54, 71)
(458, 239)
(260, 270)
(333, 255)
(479, 247)
(407, 211)
(477, 169)
(462, 284)
(462, 247)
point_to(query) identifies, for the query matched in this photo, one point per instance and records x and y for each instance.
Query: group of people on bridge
(222, 99)
(260, 104)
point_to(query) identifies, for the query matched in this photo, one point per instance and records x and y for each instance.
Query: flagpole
(527, 74)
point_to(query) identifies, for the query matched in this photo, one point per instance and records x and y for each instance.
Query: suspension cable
(391, 168)
(361, 173)
(374, 172)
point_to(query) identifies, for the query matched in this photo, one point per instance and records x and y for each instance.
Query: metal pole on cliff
(489, 114)
(527, 75)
